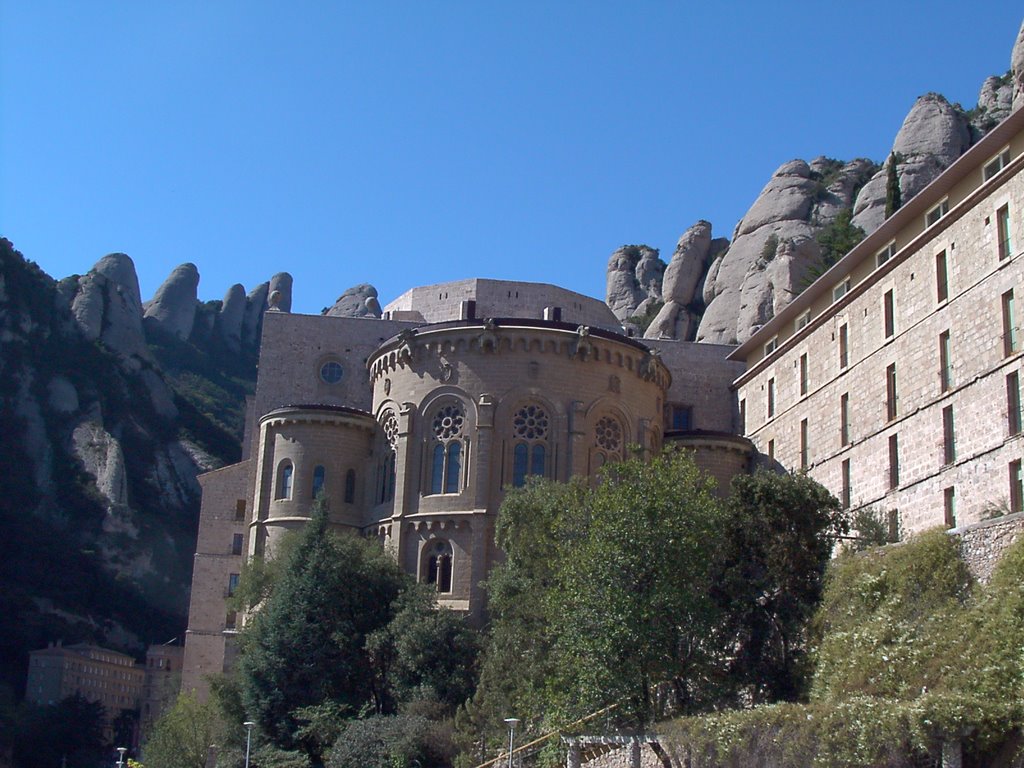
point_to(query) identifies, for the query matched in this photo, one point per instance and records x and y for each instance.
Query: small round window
(331, 372)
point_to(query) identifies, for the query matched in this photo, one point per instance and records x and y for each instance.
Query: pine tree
(893, 196)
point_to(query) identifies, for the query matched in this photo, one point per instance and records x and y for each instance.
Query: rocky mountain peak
(357, 301)
(633, 277)
(173, 308)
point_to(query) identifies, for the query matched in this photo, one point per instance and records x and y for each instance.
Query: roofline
(493, 280)
(875, 241)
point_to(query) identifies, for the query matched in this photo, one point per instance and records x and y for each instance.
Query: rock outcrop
(255, 306)
(281, 289)
(229, 320)
(774, 245)
(995, 101)
(358, 301)
(634, 277)
(173, 308)
(677, 318)
(933, 135)
(1017, 69)
(106, 305)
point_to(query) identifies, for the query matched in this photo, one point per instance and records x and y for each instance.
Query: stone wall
(982, 544)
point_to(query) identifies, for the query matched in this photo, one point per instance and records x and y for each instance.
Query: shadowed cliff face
(725, 291)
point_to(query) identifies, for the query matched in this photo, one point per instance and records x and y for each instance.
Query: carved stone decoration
(649, 365)
(614, 384)
(488, 338)
(405, 346)
(447, 371)
(533, 369)
(389, 425)
(582, 347)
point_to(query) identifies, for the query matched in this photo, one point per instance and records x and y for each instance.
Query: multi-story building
(415, 424)
(161, 683)
(894, 380)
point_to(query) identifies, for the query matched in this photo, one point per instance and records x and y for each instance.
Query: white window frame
(885, 254)
(1001, 160)
(936, 213)
(840, 289)
(771, 345)
(802, 321)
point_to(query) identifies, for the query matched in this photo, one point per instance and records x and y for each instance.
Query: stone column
(634, 753)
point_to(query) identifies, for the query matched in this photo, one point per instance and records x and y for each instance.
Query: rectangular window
(844, 419)
(240, 509)
(232, 583)
(936, 213)
(949, 506)
(803, 374)
(996, 164)
(1013, 421)
(889, 309)
(771, 397)
(1016, 487)
(769, 346)
(803, 444)
(945, 366)
(803, 320)
(846, 484)
(890, 392)
(1009, 324)
(771, 449)
(841, 290)
(1003, 232)
(941, 277)
(236, 544)
(680, 416)
(885, 254)
(844, 346)
(894, 461)
(743, 416)
(894, 525)
(948, 435)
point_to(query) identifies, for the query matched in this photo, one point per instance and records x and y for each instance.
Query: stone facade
(894, 380)
(415, 424)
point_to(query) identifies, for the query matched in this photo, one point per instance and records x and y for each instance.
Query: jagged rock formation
(107, 307)
(281, 288)
(995, 101)
(633, 280)
(1017, 69)
(933, 135)
(232, 312)
(255, 306)
(678, 317)
(173, 308)
(358, 301)
(774, 246)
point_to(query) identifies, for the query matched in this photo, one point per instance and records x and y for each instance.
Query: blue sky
(409, 143)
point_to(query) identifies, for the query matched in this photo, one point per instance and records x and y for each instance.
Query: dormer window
(936, 213)
(885, 254)
(770, 345)
(996, 164)
(841, 290)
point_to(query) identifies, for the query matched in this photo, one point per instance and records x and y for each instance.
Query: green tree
(395, 741)
(306, 646)
(183, 735)
(69, 733)
(893, 194)
(778, 533)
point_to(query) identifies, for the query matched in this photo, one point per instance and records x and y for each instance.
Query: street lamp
(120, 756)
(248, 739)
(512, 722)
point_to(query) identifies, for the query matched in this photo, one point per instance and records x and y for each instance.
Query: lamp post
(248, 739)
(120, 756)
(512, 722)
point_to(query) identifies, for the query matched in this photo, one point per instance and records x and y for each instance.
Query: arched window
(446, 458)
(530, 429)
(284, 480)
(438, 565)
(319, 473)
(386, 466)
(350, 486)
(609, 441)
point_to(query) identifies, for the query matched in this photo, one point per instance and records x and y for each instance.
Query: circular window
(531, 423)
(609, 434)
(331, 372)
(448, 422)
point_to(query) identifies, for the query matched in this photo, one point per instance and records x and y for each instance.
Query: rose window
(531, 423)
(390, 426)
(448, 422)
(609, 434)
